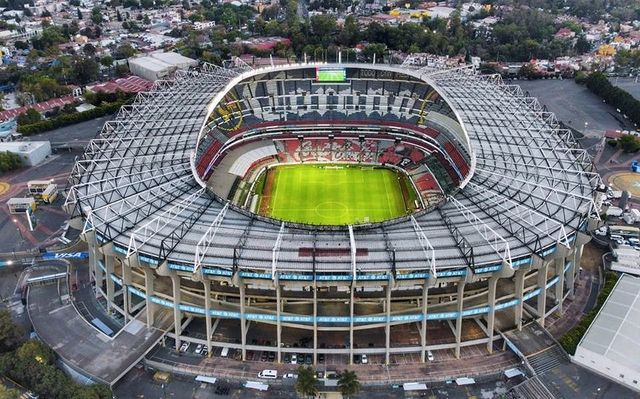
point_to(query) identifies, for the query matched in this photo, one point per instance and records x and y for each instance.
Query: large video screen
(331, 74)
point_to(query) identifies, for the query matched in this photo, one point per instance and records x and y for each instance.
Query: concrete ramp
(81, 346)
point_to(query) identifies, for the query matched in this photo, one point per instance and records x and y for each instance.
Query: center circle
(329, 209)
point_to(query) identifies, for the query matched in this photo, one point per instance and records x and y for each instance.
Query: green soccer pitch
(328, 194)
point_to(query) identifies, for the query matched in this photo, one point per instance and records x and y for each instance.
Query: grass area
(326, 194)
(570, 340)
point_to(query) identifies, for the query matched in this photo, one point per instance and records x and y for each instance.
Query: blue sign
(65, 255)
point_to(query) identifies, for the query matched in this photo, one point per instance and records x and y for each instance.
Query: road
(14, 229)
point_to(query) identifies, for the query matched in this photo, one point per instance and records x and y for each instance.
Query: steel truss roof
(530, 187)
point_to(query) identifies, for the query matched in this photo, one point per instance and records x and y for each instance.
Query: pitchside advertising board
(65, 255)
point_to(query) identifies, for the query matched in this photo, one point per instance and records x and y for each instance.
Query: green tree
(31, 116)
(89, 50)
(9, 161)
(348, 383)
(582, 45)
(125, 50)
(96, 15)
(306, 383)
(10, 333)
(8, 393)
(85, 70)
(629, 143)
(107, 61)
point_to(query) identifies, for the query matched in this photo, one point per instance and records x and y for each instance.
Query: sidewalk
(372, 374)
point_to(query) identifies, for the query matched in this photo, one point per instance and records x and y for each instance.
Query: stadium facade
(165, 200)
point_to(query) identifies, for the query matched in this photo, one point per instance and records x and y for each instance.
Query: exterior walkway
(80, 345)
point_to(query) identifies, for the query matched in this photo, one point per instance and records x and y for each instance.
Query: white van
(225, 352)
(269, 374)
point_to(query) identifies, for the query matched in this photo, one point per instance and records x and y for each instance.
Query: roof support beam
(207, 239)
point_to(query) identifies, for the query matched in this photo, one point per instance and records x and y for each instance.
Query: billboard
(331, 75)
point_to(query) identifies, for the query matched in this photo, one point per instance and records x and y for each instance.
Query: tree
(125, 50)
(629, 143)
(10, 333)
(348, 383)
(582, 45)
(106, 61)
(96, 15)
(85, 70)
(306, 383)
(31, 116)
(89, 50)
(8, 393)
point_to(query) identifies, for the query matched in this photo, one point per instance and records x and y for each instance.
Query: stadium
(334, 209)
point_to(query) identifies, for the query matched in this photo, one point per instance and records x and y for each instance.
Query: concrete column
(177, 314)
(574, 270)
(207, 311)
(491, 316)
(110, 266)
(351, 311)
(423, 338)
(542, 297)
(315, 322)
(99, 274)
(150, 291)
(559, 288)
(243, 321)
(459, 308)
(278, 322)
(519, 295)
(126, 295)
(92, 259)
(387, 328)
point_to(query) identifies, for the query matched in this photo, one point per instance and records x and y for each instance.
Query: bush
(571, 339)
(612, 143)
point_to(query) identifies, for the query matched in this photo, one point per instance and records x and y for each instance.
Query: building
(496, 240)
(610, 346)
(159, 65)
(31, 152)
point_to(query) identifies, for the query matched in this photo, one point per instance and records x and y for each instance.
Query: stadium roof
(529, 191)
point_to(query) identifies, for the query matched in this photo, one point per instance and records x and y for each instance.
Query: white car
(199, 349)
(430, 356)
(294, 359)
(290, 375)
(184, 347)
(269, 374)
(364, 359)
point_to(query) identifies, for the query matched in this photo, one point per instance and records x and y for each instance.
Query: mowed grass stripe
(335, 194)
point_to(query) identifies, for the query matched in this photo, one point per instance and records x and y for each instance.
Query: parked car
(365, 360)
(199, 348)
(184, 347)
